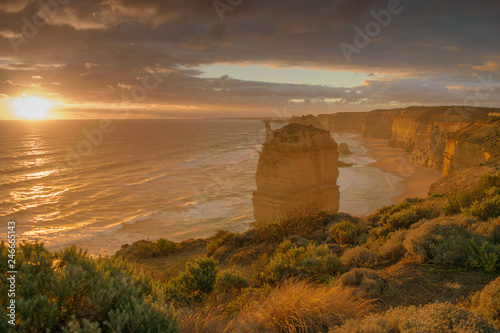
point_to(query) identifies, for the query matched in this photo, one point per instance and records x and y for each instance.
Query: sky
(242, 58)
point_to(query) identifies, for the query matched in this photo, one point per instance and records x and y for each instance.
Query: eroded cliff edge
(447, 138)
(297, 172)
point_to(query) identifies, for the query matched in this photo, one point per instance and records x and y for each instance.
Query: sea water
(100, 185)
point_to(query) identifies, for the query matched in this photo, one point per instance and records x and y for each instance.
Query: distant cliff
(343, 122)
(476, 144)
(297, 170)
(428, 133)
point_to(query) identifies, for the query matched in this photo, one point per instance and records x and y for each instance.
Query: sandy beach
(380, 176)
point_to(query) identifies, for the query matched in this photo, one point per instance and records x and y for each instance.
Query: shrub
(69, 291)
(273, 232)
(486, 302)
(314, 261)
(402, 219)
(392, 249)
(365, 279)
(489, 229)
(344, 232)
(358, 257)
(194, 284)
(403, 215)
(485, 209)
(166, 246)
(441, 241)
(304, 223)
(486, 257)
(299, 306)
(222, 237)
(436, 317)
(228, 283)
(486, 191)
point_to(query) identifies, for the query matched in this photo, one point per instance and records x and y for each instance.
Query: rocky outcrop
(307, 120)
(297, 171)
(341, 122)
(476, 144)
(344, 148)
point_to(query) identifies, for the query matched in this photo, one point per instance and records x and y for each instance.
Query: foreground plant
(70, 292)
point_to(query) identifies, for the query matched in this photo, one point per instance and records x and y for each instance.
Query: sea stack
(297, 172)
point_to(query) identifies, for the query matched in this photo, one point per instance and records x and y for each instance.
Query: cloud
(489, 66)
(14, 6)
(90, 46)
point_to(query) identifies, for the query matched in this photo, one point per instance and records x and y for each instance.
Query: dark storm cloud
(95, 50)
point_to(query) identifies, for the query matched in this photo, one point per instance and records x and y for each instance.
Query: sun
(30, 107)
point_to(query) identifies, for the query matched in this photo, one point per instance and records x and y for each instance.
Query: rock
(344, 148)
(269, 131)
(307, 120)
(297, 172)
(298, 240)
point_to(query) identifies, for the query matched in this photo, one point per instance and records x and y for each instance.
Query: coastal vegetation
(426, 264)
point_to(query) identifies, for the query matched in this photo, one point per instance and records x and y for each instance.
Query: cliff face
(424, 131)
(343, 122)
(378, 124)
(476, 144)
(297, 170)
(427, 132)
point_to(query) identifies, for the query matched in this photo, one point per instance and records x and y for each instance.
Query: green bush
(273, 232)
(229, 283)
(166, 246)
(195, 283)
(364, 279)
(486, 257)
(486, 191)
(359, 257)
(402, 219)
(402, 216)
(485, 209)
(69, 291)
(392, 248)
(311, 262)
(222, 237)
(486, 302)
(442, 241)
(344, 232)
(436, 317)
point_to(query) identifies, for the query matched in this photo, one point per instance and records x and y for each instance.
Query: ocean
(101, 184)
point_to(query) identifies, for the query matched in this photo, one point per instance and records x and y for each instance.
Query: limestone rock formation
(343, 122)
(307, 120)
(297, 171)
(475, 145)
(344, 148)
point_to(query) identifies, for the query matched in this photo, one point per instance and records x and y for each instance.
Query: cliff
(378, 124)
(343, 122)
(476, 144)
(425, 131)
(297, 171)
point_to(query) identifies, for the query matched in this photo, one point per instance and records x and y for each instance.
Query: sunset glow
(32, 108)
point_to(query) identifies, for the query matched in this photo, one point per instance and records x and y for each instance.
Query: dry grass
(204, 320)
(300, 306)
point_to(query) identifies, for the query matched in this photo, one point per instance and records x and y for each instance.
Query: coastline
(381, 176)
(396, 161)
